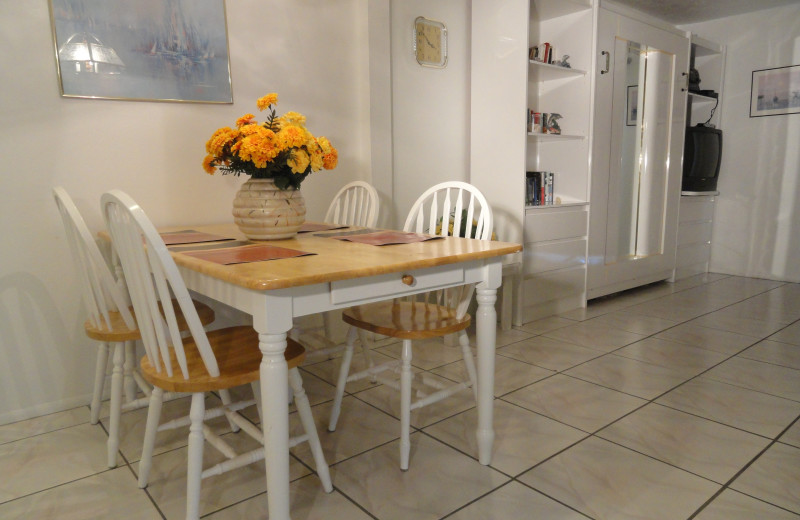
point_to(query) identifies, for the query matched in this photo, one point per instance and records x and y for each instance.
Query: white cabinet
(694, 235)
(639, 120)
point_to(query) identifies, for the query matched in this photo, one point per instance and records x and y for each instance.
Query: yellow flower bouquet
(281, 148)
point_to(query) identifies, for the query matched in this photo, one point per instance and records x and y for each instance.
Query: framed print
(775, 92)
(158, 50)
(632, 105)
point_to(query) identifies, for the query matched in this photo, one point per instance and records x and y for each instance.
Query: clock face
(430, 42)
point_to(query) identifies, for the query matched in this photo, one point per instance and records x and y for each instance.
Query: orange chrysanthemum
(292, 136)
(281, 148)
(245, 120)
(223, 137)
(298, 161)
(209, 165)
(264, 102)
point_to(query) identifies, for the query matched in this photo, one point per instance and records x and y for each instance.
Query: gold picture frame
(160, 50)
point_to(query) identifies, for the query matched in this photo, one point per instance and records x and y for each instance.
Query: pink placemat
(385, 238)
(246, 254)
(189, 236)
(308, 227)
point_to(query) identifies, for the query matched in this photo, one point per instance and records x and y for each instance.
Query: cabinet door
(636, 154)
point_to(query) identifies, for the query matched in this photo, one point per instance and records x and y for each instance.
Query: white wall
(313, 54)
(757, 222)
(430, 107)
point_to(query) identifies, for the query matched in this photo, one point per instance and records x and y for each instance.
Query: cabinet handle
(608, 61)
(685, 88)
(408, 279)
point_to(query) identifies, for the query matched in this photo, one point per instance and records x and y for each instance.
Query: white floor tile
(575, 402)
(606, 481)
(48, 460)
(749, 410)
(307, 501)
(43, 424)
(513, 502)
(522, 438)
(112, 494)
(731, 505)
(439, 480)
(774, 477)
(700, 446)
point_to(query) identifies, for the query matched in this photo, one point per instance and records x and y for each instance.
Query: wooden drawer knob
(408, 279)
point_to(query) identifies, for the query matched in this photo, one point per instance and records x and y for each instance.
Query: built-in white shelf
(555, 137)
(564, 204)
(541, 71)
(700, 98)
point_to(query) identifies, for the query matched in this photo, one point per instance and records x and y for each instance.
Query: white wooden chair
(110, 322)
(202, 362)
(356, 204)
(447, 209)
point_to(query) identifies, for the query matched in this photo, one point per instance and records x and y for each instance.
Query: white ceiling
(679, 12)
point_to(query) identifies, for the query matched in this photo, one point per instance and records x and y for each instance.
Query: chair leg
(469, 361)
(99, 381)
(362, 338)
(116, 404)
(256, 387)
(344, 370)
(195, 452)
(129, 384)
(304, 411)
(153, 419)
(405, 405)
(327, 327)
(225, 395)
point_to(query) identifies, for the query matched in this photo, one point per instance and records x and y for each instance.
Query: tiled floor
(672, 401)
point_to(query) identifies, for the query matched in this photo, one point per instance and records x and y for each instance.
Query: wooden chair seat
(406, 319)
(120, 332)
(238, 357)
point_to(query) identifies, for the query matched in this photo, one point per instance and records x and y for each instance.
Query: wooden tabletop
(336, 259)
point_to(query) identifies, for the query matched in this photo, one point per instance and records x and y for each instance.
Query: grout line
(742, 470)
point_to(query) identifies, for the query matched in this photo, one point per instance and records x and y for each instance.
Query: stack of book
(543, 123)
(534, 122)
(539, 188)
(543, 52)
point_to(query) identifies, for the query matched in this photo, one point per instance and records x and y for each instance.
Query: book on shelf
(539, 188)
(534, 121)
(543, 52)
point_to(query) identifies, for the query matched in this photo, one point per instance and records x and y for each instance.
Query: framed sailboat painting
(154, 50)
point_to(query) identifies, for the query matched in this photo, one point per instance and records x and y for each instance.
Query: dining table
(323, 271)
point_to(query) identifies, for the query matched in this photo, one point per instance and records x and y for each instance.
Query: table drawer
(347, 291)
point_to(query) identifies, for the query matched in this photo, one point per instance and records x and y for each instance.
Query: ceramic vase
(264, 212)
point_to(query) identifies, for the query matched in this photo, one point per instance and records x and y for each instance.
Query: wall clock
(430, 42)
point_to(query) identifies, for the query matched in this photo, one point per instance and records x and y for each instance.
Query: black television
(702, 154)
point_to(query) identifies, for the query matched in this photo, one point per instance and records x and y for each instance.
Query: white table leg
(486, 330)
(275, 409)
